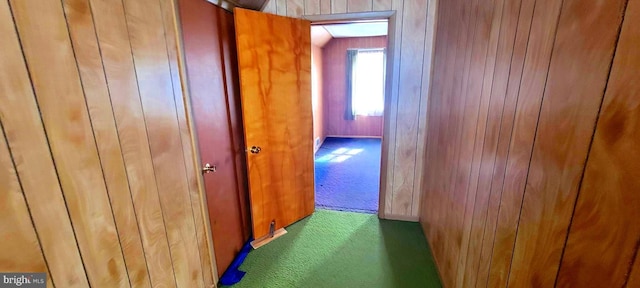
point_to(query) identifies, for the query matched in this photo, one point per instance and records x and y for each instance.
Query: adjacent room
(348, 86)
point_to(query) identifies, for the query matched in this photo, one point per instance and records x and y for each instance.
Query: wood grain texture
(334, 58)
(232, 87)
(275, 63)
(71, 108)
(170, 21)
(383, 5)
(391, 106)
(338, 6)
(311, 7)
(585, 41)
(414, 19)
(148, 45)
(531, 89)
(26, 138)
(634, 276)
(480, 162)
(480, 142)
(21, 248)
(296, 8)
(317, 95)
(325, 6)
(202, 36)
(492, 170)
(503, 235)
(405, 104)
(85, 44)
(66, 120)
(604, 235)
(358, 5)
(113, 37)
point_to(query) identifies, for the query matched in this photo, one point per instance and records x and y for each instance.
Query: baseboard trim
(353, 136)
(407, 218)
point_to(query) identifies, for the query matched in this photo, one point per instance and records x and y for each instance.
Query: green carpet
(343, 249)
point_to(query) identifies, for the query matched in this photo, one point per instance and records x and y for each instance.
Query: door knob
(255, 149)
(208, 168)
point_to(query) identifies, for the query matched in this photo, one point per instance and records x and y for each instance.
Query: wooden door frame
(391, 81)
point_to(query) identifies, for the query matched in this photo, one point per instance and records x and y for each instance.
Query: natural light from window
(339, 155)
(368, 83)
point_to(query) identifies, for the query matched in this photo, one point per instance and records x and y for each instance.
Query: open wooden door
(274, 60)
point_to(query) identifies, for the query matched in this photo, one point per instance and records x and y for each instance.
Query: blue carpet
(348, 174)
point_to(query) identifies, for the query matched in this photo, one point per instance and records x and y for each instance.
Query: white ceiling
(366, 29)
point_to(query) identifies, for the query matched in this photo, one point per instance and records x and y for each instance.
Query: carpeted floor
(343, 249)
(348, 174)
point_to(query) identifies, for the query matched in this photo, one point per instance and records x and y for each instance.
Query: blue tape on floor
(233, 275)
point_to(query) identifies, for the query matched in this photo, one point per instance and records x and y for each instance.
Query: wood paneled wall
(517, 91)
(335, 70)
(405, 116)
(317, 95)
(94, 156)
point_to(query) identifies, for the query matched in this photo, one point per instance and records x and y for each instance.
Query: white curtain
(368, 83)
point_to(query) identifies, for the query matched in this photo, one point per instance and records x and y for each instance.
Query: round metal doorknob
(255, 149)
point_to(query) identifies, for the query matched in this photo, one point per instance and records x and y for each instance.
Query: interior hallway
(343, 249)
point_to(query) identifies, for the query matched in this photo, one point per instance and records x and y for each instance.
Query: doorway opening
(348, 61)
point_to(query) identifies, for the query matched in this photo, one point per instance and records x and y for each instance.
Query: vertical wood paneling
(584, 41)
(474, 120)
(296, 8)
(542, 34)
(53, 70)
(479, 184)
(72, 121)
(492, 173)
(605, 231)
(358, 5)
(281, 7)
(391, 105)
(532, 73)
(113, 37)
(383, 5)
(29, 147)
(338, 6)
(311, 7)
(82, 32)
(502, 234)
(317, 95)
(156, 94)
(412, 31)
(325, 6)
(412, 52)
(20, 243)
(447, 43)
(270, 7)
(170, 22)
(334, 89)
(424, 96)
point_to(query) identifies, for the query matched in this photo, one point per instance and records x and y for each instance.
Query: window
(365, 82)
